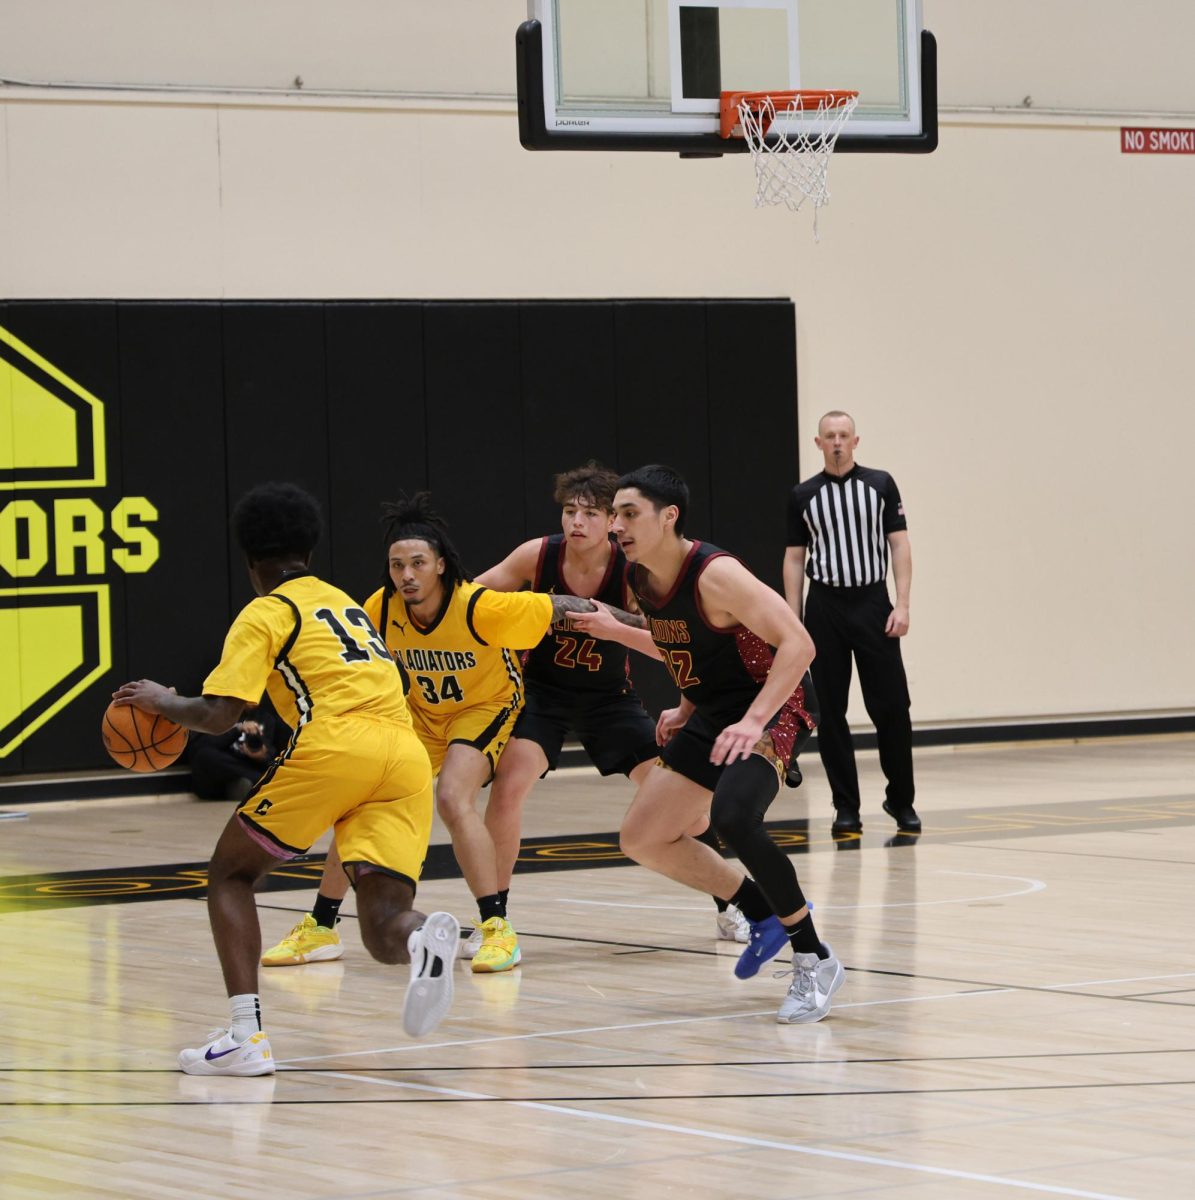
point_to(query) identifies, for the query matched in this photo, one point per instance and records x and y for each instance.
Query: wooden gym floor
(1018, 1015)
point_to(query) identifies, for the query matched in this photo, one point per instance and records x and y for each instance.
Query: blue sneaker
(768, 938)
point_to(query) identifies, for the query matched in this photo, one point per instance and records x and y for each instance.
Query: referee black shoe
(846, 821)
(907, 820)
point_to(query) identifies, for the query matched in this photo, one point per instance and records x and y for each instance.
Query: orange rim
(803, 98)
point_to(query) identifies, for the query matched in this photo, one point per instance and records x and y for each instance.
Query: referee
(843, 524)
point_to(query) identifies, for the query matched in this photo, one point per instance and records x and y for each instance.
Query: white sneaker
(815, 980)
(433, 948)
(223, 1056)
(473, 943)
(733, 926)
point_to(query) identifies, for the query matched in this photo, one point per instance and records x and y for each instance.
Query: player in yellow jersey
(457, 641)
(352, 763)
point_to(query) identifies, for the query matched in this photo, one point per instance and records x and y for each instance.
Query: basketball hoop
(791, 164)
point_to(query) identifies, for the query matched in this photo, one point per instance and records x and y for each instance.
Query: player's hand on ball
(142, 693)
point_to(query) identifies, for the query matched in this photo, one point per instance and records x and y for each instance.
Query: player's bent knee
(630, 846)
(381, 902)
(698, 827)
(640, 846)
(383, 949)
(742, 797)
(453, 808)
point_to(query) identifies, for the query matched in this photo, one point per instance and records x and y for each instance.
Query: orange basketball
(139, 740)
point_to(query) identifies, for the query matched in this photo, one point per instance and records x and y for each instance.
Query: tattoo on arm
(633, 620)
(563, 605)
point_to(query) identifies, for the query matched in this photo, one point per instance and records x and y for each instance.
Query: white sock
(246, 1015)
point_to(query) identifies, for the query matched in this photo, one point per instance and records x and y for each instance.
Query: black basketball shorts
(617, 732)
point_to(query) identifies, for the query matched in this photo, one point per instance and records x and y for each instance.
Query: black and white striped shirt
(844, 522)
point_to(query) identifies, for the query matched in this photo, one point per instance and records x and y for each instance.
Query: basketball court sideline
(1019, 1014)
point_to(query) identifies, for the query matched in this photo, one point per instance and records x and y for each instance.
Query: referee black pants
(845, 622)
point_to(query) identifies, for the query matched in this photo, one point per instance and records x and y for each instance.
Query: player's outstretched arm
(617, 625)
(516, 571)
(207, 714)
(563, 608)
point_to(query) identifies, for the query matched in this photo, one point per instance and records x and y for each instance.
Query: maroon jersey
(572, 660)
(720, 671)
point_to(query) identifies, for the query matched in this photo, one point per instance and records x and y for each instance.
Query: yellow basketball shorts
(369, 779)
(485, 727)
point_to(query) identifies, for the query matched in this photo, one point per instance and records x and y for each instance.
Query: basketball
(139, 740)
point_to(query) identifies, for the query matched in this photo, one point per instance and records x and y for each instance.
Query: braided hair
(414, 517)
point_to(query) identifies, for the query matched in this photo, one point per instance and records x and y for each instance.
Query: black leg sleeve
(741, 801)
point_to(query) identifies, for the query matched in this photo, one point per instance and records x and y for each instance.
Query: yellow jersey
(466, 656)
(316, 652)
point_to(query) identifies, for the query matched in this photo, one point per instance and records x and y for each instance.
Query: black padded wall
(377, 429)
(483, 402)
(751, 353)
(172, 452)
(568, 387)
(475, 425)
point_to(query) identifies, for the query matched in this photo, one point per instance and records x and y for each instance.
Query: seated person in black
(225, 766)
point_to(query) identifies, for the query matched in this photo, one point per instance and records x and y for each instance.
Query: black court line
(1175, 992)
(894, 1060)
(615, 1099)
(589, 851)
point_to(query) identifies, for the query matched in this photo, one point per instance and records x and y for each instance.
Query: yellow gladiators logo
(60, 539)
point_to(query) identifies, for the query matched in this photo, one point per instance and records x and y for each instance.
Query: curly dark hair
(592, 484)
(414, 517)
(662, 486)
(277, 521)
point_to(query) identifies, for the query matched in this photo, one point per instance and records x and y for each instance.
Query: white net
(792, 167)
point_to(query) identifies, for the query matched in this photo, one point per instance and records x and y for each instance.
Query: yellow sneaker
(499, 947)
(307, 942)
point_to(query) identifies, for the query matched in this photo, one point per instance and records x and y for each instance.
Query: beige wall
(1008, 319)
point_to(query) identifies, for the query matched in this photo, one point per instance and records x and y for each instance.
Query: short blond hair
(835, 412)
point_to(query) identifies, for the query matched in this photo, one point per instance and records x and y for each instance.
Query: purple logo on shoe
(212, 1057)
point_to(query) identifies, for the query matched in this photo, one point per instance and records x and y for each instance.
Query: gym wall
(137, 425)
(1007, 318)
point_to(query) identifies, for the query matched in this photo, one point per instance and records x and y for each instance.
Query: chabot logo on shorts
(62, 537)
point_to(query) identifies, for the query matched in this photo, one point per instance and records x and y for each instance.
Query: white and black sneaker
(433, 948)
(733, 926)
(815, 980)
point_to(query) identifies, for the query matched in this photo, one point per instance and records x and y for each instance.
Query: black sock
(491, 906)
(504, 896)
(325, 910)
(804, 939)
(723, 905)
(750, 902)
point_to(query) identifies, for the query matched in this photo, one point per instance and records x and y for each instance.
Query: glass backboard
(647, 74)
